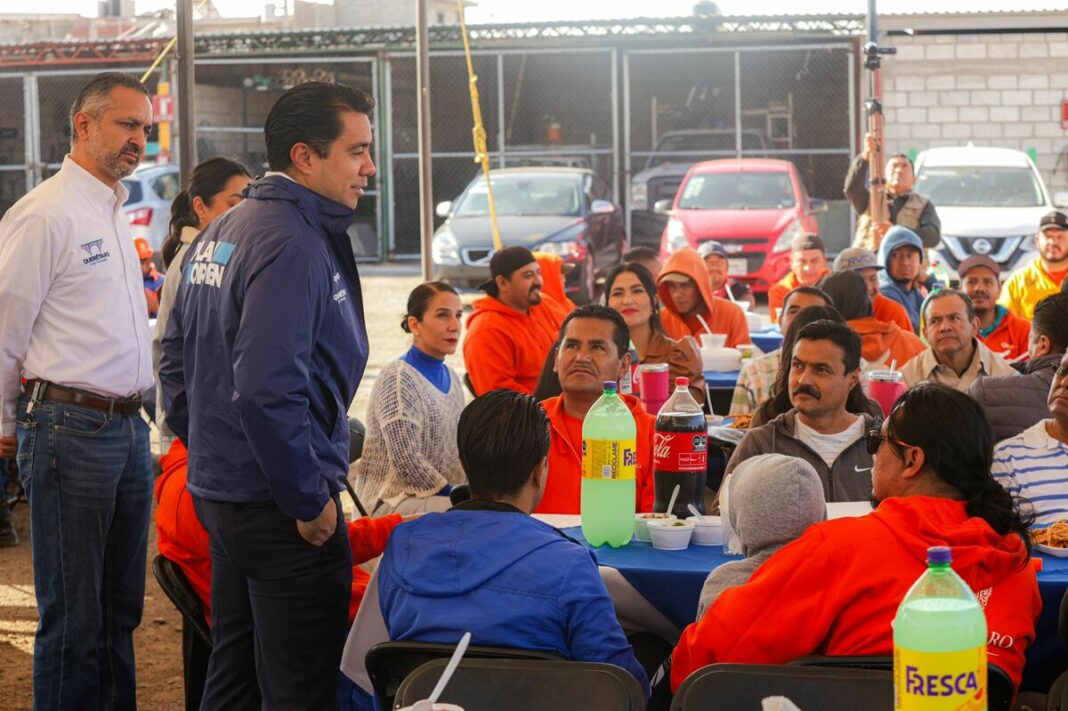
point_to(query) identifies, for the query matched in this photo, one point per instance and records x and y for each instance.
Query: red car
(753, 206)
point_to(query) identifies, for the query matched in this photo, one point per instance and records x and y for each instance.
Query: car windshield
(737, 191)
(985, 186)
(517, 196)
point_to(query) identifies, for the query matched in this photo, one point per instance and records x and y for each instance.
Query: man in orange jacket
(687, 303)
(513, 328)
(594, 342)
(835, 590)
(1002, 331)
(866, 264)
(808, 264)
(881, 343)
(182, 538)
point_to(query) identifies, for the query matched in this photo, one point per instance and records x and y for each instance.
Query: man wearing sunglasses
(835, 590)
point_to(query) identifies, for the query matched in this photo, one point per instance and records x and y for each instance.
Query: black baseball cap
(711, 247)
(1053, 219)
(503, 263)
(802, 243)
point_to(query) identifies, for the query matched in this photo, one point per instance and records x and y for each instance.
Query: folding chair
(196, 636)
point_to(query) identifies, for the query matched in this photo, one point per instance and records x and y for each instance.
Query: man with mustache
(1032, 464)
(956, 357)
(593, 348)
(513, 328)
(825, 367)
(1043, 275)
(75, 353)
(1002, 331)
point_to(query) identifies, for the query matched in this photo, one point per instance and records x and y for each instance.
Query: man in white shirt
(74, 354)
(824, 378)
(956, 357)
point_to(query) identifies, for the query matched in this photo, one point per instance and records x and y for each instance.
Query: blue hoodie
(508, 579)
(896, 237)
(264, 349)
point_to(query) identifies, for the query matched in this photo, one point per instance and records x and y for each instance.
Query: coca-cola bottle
(680, 452)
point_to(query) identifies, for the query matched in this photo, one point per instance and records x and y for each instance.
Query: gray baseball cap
(855, 258)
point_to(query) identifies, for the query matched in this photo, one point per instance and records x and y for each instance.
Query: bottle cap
(939, 555)
(609, 385)
(682, 382)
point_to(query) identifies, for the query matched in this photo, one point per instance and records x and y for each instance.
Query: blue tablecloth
(767, 339)
(671, 581)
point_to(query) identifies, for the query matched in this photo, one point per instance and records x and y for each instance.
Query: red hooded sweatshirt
(882, 342)
(183, 540)
(721, 315)
(890, 311)
(506, 348)
(563, 493)
(835, 590)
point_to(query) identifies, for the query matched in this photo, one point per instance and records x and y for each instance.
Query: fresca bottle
(609, 457)
(940, 642)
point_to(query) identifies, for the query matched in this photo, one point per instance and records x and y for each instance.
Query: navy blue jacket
(508, 579)
(895, 238)
(265, 347)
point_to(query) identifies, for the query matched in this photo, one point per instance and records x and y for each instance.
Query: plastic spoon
(674, 495)
(696, 514)
(705, 324)
(454, 661)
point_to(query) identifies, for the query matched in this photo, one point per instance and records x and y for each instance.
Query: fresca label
(930, 681)
(680, 452)
(609, 458)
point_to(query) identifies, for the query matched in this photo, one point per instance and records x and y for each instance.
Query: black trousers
(279, 609)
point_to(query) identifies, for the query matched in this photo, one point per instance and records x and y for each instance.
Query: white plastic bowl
(713, 340)
(670, 535)
(708, 532)
(641, 530)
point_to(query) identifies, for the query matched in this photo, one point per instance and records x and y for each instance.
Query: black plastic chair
(1000, 689)
(196, 635)
(527, 685)
(741, 687)
(389, 663)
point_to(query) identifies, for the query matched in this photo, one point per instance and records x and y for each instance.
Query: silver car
(152, 189)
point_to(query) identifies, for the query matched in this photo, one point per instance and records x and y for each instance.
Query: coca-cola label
(680, 451)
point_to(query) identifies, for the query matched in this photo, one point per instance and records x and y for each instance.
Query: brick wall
(1001, 90)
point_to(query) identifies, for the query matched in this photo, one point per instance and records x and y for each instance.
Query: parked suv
(989, 201)
(753, 206)
(663, 172)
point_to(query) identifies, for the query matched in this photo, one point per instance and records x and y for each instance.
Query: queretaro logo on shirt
(208, 264)
(95, 252)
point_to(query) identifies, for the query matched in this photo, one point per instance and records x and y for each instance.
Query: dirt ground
(158, 640)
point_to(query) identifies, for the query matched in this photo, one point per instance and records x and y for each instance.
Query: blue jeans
(88, 478)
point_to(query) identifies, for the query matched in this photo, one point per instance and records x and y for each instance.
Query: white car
(989, 201)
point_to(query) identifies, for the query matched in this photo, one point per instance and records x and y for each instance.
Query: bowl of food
(1052, 540)
(707, 530)
(670, 534)
(641, 530)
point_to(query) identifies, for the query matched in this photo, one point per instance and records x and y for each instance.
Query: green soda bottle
(940, 642)
(609, 457)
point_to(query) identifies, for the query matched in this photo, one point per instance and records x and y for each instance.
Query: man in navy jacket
(262, 356)
(487, 567)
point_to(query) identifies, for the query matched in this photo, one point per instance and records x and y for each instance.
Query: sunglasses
(875, 440)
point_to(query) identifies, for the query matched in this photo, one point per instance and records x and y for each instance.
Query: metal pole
(422, 91)
(187, 140)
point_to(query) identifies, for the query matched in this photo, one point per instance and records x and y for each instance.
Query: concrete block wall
(1000, 90)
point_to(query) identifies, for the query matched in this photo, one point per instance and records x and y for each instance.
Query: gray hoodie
(772, 500)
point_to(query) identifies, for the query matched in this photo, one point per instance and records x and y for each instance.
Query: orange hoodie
(552, 276)
(183, 540)
(890, 311)
(1012, 334)
(505, 348)
(563, 493)
(882, 342)
(835, 590)
(721, 315)
(778, 291)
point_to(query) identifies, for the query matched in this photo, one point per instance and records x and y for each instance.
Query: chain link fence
(15, 177)
(790, 103)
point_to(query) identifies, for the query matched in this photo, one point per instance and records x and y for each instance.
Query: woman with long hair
(779, 402)
(214, 187)
(410, 461)
(631, 291)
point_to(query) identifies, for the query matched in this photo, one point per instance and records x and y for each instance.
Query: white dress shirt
(72, 302)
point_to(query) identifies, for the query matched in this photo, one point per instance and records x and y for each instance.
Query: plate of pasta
(1052, 540)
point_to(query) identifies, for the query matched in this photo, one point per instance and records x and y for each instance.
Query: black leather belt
(38, 390)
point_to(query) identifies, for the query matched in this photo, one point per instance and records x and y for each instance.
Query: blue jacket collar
(332, 216)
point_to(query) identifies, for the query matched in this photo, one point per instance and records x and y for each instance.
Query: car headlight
(566, 249)
(639, 196)
(793, 230)
(444, 249)
(676, 235)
